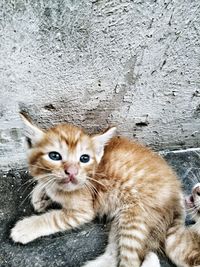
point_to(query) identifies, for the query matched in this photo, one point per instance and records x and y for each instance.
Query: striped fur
(126, 181)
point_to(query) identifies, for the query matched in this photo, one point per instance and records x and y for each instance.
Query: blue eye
(84, 158)
(54, 155)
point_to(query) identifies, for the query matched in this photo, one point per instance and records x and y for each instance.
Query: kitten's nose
(71, 170)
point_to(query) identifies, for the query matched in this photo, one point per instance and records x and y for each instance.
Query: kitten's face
(64, 157)
(192, 202)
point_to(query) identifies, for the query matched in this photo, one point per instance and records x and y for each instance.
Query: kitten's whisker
(91, 191)
(31, 181)
(93, 188)
(99, 174)
(52, 175)
(197, 204)
(49, 184)
(187, 172)
(45, 184)
(192, 179)
(190, 209)
(26, 198)
(59, 176)
(193, 216)
(40, 167)
(194, 176)
(197, 174)
(44, 176)
(28, 195)
(96, 192)
(191, 212)
(96, 181)
(197, 154)
(42, 186)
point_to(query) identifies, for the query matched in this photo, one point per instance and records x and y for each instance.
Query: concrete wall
(97, 62)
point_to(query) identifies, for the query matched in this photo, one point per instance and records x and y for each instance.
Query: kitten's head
(192, 202)
(64, 157)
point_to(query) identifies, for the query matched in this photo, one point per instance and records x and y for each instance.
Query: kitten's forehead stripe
(68, 134)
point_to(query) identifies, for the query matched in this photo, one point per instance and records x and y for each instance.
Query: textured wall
(95, 63)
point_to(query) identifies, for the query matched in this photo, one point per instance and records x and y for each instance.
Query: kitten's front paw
(25, 230)
(151, 260)
(40, 201)
(40, 206)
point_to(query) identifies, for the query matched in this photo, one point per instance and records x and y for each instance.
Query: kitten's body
(127, 182)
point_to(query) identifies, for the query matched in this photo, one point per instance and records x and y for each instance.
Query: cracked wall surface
(95, 63)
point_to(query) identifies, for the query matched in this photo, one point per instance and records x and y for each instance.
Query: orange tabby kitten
(193, 206)
(101, 174)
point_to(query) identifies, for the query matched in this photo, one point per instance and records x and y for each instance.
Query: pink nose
(71, 170)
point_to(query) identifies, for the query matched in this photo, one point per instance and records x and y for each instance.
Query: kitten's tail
(183, 245)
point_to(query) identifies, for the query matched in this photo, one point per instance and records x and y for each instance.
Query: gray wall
(96, 63)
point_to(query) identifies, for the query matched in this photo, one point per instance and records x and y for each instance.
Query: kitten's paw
(151, 260)
(40, 201)
(41, 205)
(25, 230)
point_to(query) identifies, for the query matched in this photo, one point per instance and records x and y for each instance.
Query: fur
(124, 180)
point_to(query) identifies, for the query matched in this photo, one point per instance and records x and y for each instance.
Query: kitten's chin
(69, 187)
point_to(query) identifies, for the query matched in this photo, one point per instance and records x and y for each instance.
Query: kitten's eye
(54, 155)
(84, 158)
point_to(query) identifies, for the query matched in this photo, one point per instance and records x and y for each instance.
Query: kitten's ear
(33, 133)
(101, 140)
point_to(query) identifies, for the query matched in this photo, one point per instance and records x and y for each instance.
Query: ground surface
(68, 249)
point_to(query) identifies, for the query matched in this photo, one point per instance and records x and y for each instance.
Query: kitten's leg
(151, 260)
(182, 245)
(109, 258)
(39, 198)
(133, 236)
(48, 223)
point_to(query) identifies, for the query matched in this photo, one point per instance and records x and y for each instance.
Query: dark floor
(69, 249)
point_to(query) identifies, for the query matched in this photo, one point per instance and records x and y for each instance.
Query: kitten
(192, 203)
(106, 175)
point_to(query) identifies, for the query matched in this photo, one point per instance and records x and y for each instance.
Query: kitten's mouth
(69, 179)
